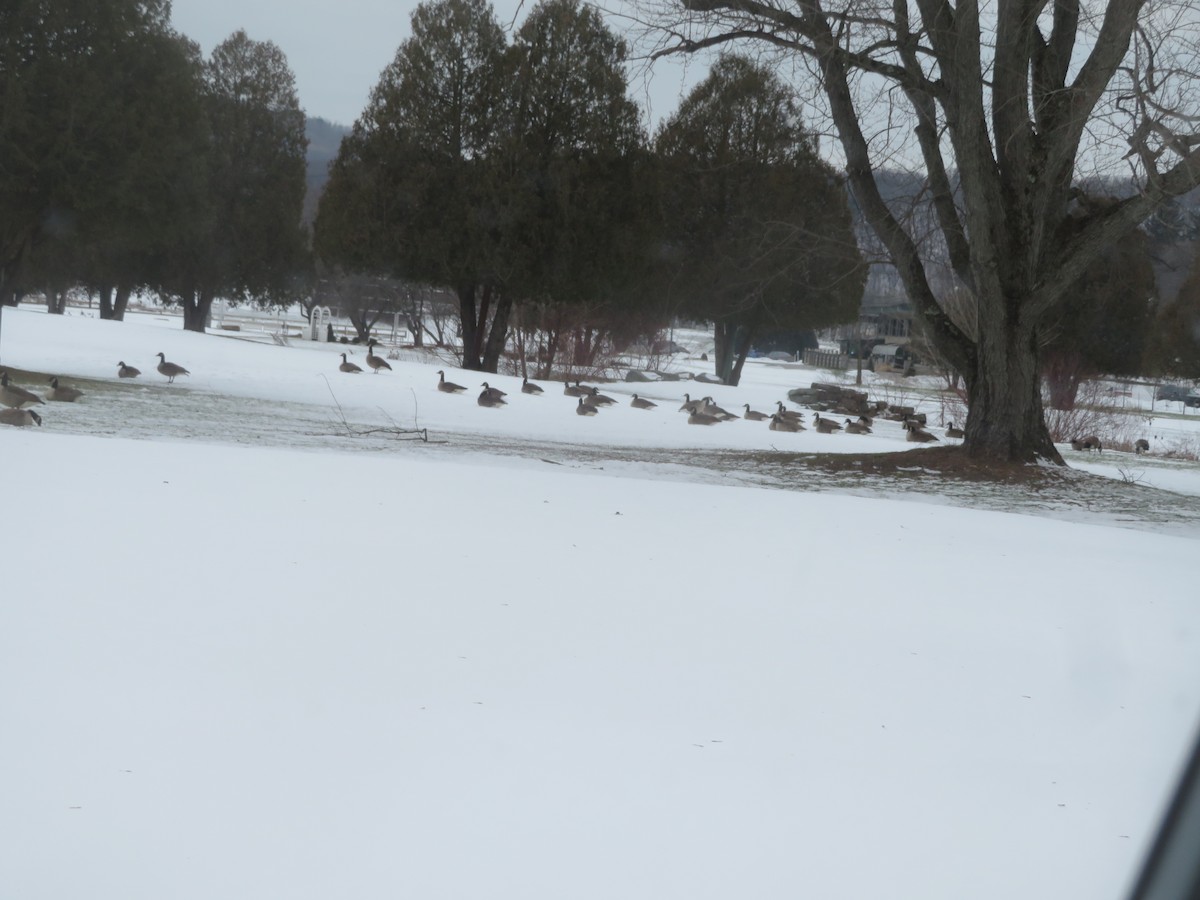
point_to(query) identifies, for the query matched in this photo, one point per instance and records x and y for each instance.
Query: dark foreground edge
(1172, 867)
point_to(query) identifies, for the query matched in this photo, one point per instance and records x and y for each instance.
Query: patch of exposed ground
(1061, 493)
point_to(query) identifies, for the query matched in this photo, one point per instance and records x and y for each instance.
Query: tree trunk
(722, 349)
(104, 293)
(522, 345)
(9, 295)
(363, 322)
(743, 337)
(121, 302)
(731, 343)
(578, 352)
(196, 308)
(586, 347)
(416, 327)
(469, 317)
(414, 317)
(56, 301)
(483, 341)
(546, 359)
(498, 335)
(1004, 397)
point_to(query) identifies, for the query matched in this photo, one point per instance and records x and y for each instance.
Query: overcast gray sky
(337, 49)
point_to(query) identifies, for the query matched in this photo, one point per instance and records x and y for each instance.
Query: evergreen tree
(72, 77)
(583, 208)
(414, 191)
(759, 230)
(1103, 324)
(245, 240)
(158, 138)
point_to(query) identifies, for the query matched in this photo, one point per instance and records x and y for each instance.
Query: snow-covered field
(547, 656)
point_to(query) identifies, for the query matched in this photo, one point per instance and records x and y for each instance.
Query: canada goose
(448, 387)
(856, 428)
(124, 371)
(954, 432)
(585, 409)
(376, 362)
(690, 405)
(492, 398)
(170, 369)
(788, 414)
(493, 394)
(825, 426)
(709, 407)
(868, 421)
(754, 415)
(16, 397)
(528, 387)
(62, 394)
(349, 367)
(642, 403)
(917, 434)
(779, 423)
(19, 417)
(701, 418)
(599, 400)
(1140, 446)
(573, 390)
(1091, 442)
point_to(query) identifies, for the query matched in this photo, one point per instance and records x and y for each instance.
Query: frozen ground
(544, 656)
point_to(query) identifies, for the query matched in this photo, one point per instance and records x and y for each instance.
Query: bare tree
(427, 312)
(363, 299)
(1006, 104)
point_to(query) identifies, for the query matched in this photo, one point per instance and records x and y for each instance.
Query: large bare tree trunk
(1004, 398)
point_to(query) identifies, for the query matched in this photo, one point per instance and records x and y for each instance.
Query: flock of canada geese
(17, 402)
(16, 399)
(704, 411)
(589, 402)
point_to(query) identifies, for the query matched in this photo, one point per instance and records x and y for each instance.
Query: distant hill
(324, 139)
